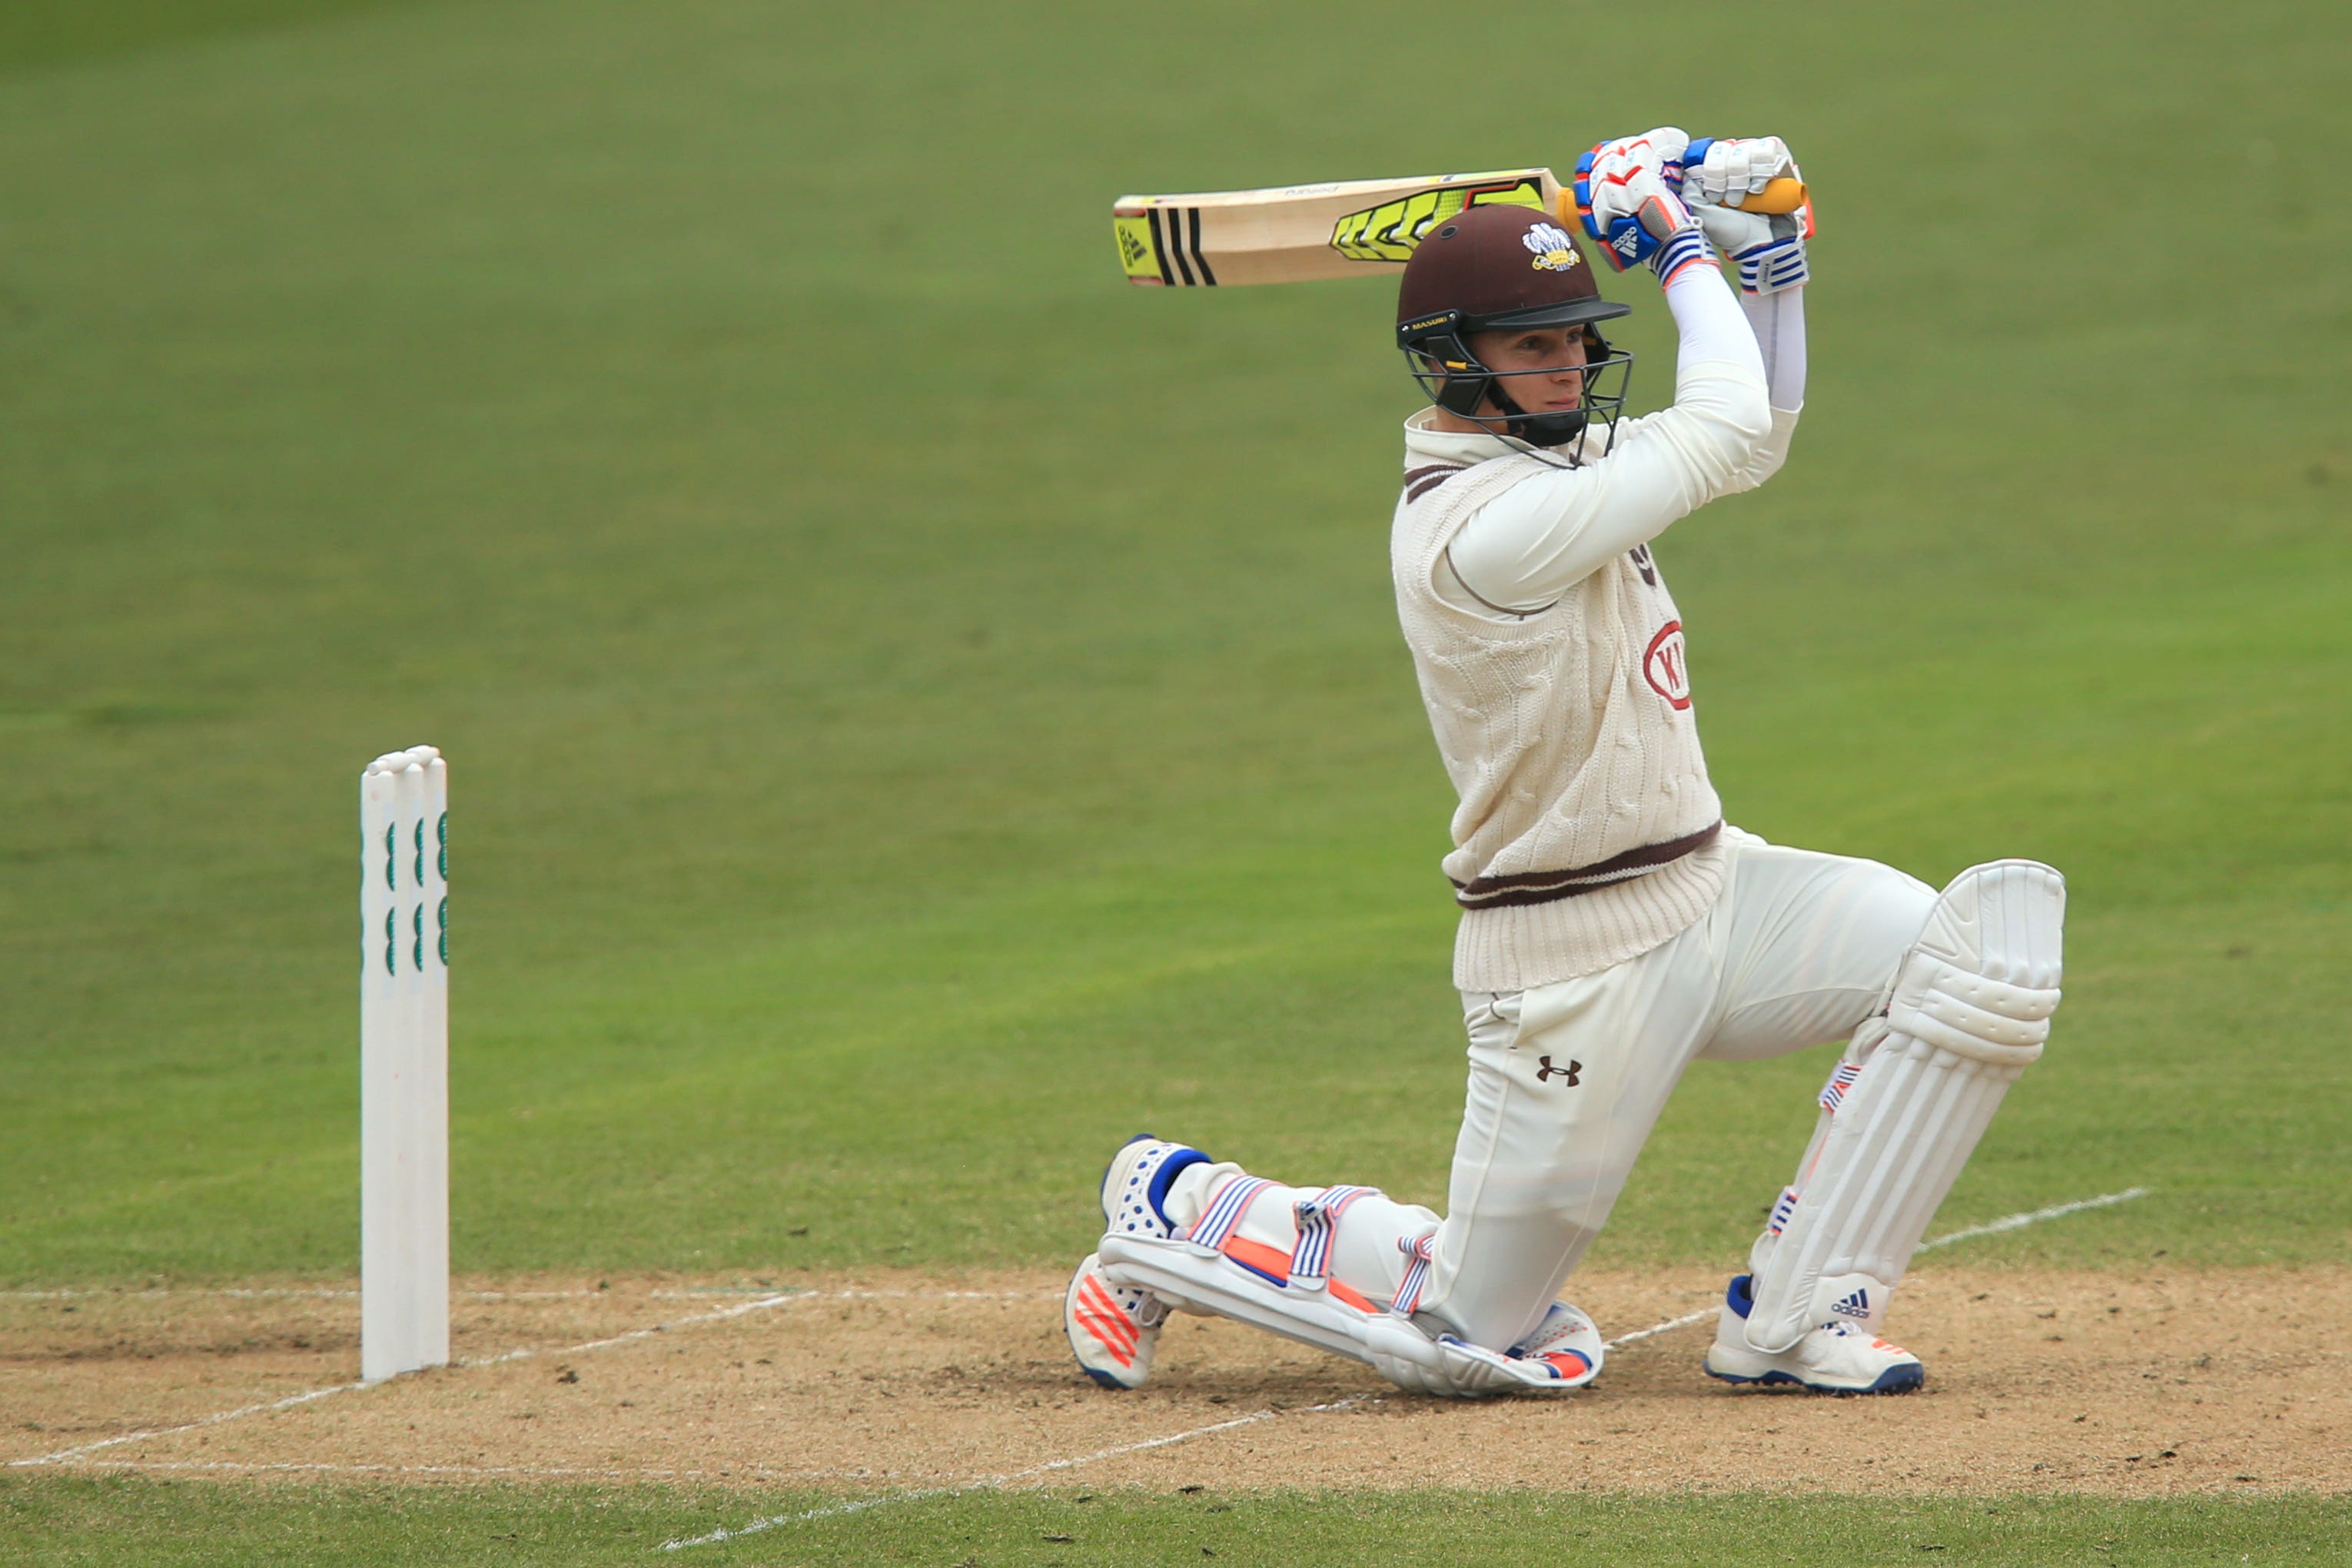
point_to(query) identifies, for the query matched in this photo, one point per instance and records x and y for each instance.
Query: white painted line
(293, 1292)
(720, 1314)
(834, 1511)
(782, 1298)
(1054, 1295)
(762, 1305)
(2035, 1217)
(547, 1472)
(1684, 1321)
(64, 1456)
(328, 1293)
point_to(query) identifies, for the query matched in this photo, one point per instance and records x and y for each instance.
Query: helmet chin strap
(1536, 429)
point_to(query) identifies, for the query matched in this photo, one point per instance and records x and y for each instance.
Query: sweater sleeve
(1527, 547)
(1778, 323)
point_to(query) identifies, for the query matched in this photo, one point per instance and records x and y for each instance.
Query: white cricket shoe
(1836, 1358)
(1567, 1342)
(1113, 1328)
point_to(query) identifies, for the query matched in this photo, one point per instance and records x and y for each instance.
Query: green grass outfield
(169, 1523)
(921, 710)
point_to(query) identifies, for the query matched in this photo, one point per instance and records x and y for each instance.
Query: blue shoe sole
(1893, 1380)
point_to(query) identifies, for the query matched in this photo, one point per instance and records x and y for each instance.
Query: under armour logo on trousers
(1568, 1072)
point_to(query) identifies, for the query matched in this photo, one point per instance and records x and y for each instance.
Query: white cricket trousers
(1567, 1079)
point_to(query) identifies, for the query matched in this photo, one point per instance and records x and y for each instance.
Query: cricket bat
(1292, 234)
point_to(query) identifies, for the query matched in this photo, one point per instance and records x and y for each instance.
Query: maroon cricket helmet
(1499, 267)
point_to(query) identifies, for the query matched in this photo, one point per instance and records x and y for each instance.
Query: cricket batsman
(1613, 928)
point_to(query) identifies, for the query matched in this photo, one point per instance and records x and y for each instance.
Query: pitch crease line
(334, 1293)
(551, 1472)
(63, 1455)
(835, 1510)
(2035, 1217)
(291, 1400)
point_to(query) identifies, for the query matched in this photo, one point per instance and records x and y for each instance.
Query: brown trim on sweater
(1419, 482)
(1544, 887)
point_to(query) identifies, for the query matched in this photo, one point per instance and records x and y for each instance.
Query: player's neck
(1456, 424)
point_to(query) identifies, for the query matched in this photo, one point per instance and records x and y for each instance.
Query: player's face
(1555, 356)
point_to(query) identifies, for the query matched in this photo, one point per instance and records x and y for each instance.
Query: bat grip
(1782, 195)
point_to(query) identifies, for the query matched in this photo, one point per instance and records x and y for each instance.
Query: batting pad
(1187, 1275)
(1184, 1276)
(1969, 1011)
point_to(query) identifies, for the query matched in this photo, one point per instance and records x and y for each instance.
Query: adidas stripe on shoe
(1112, 1328)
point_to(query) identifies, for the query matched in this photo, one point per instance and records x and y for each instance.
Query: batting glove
(1725, 169)
(1768, 248)
(1615, 179)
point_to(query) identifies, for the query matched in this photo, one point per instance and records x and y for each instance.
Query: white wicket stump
(404, 1064)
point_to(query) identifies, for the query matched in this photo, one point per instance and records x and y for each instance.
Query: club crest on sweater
(1665, 665)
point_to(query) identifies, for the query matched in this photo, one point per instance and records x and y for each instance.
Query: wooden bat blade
(1295, 233)
(1290, 234)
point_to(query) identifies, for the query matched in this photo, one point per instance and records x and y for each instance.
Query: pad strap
(1419, 1248)
(1317, 1221)
(1224, 1215)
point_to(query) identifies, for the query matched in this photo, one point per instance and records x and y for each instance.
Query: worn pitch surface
(2130, 1385)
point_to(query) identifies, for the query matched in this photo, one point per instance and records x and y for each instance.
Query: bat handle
(1782, 195)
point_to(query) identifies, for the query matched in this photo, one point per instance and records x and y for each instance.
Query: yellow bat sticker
(1137, 251)
(1389, 232)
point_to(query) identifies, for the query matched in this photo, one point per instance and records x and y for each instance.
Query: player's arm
(1769, 251)
(1524, 549)
(1778, 322)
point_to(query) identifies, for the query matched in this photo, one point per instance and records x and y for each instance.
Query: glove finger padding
(1728, 169)
(1659, 151)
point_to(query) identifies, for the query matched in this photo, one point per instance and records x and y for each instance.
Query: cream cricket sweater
(1586, 833)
